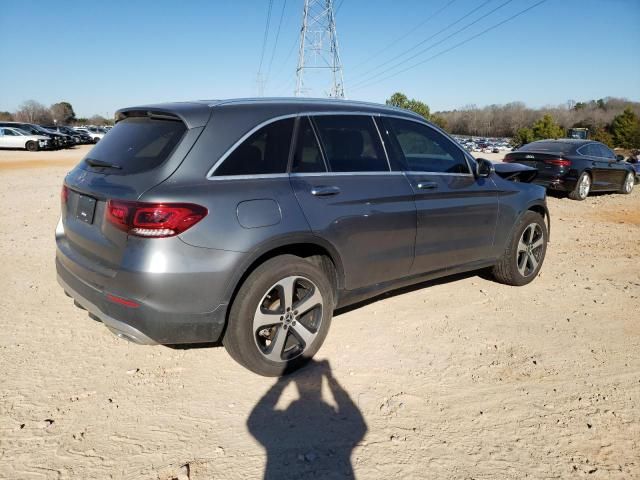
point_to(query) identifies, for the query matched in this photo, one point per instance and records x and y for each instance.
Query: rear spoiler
(191, 114)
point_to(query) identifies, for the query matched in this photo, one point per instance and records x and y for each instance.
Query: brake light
(155, 220)
(507, 158)
(64, 194)
(558, 162)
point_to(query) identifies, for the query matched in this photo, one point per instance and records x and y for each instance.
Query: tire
(269, 339)
(522, 259)
(629, 182)
(32, 146)
(582, 188)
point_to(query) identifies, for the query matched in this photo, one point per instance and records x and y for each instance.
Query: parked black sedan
(576, 166)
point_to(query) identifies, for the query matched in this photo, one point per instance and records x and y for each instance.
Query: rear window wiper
(99, 163)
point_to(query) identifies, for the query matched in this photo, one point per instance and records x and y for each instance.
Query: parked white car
(15, 138)
(96, 134)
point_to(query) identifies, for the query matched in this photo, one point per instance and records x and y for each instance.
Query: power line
(264, 47)
(275, 44)
(402, 37)
(473, 37)
(335, 12)
(468, 14)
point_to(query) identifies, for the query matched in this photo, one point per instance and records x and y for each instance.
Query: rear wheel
(280, 316)
(627, 185)
(32, 146)
(582, 188)
(525, 252)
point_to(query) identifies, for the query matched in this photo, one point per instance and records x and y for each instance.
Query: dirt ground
(462, 378)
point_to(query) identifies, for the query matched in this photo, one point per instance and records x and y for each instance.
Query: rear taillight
(558, 162)
(507, 158)
(64, 194)
(155, 220)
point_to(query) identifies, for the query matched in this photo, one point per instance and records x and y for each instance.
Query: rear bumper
(556, 183)
(143, 324)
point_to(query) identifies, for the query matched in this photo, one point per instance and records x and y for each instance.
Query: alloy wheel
(288, 318)
(628, 183)
(530, 249)
(585, 186)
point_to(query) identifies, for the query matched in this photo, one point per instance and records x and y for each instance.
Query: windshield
(139, 144)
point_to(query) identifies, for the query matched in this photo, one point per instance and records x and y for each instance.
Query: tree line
(613, 121)
(61, 113)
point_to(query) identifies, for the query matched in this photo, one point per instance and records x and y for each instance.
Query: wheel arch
(542, 209)
(305, 246)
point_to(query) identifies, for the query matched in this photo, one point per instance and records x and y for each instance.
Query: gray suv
(250, 221)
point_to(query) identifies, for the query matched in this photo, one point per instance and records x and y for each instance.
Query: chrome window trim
(230, 150)
(446, 174)
(343, 174)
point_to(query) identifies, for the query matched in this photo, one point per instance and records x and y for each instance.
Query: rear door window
(264, 152)
(307, 157)
(139, 144)
(425, 149)
(351, 143)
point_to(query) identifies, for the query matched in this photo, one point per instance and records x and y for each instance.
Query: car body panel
(379, 231)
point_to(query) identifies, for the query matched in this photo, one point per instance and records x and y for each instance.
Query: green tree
(400, 100)
(625, 129)
(600, 134)
(546, 127)
(63, 112)
(523, 136)
(6, 116)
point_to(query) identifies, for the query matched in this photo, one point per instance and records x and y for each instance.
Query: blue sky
(103, 55)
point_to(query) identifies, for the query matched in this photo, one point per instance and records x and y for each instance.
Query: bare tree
(33, 112)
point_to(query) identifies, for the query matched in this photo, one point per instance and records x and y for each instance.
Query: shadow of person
(311, 438)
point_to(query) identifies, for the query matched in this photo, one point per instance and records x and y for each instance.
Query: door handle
(322, 191)
(427, 185)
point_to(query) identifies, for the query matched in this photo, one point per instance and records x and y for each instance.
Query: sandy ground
(463, 378)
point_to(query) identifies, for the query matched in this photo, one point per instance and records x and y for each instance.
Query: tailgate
(138, 153)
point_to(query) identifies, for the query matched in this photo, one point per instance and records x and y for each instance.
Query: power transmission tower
(319, 47)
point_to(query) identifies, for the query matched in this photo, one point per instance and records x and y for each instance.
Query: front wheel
(32, 146)
(582, 188)
(629, 181)
(280, 316)
(525, 251)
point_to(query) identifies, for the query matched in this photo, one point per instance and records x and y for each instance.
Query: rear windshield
(138, 144)
(555, 147)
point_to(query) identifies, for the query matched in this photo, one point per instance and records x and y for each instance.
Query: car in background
(79, 138)
(577, 167)
(95, 133)
(278, 212)
(11, 137)
(65, 141)
(55, 139)
(634, 161)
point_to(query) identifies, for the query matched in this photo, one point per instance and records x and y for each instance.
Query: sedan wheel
(629, 181)
(582, 188)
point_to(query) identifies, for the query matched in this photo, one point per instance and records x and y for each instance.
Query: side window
(10, 133)
(264, 152)
(605, 152)
(351, 143)
(308, 157)
(590, 150)
(425, 149)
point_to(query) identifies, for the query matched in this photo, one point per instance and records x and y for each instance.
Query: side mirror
(619, 158)
(484, 167)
